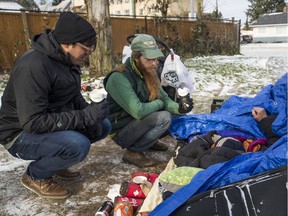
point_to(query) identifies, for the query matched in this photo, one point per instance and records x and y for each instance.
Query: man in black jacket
(44, 117)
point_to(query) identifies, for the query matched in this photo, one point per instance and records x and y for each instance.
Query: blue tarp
(235, 113)
(239, 168)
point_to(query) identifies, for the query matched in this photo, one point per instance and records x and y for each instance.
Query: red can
(152, 177)
(130, 189)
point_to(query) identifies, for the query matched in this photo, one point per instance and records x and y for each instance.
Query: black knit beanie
(72, 28)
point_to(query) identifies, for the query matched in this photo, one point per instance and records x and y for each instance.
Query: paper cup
(139, 179)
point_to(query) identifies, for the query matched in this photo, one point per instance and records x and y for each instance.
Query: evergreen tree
(247, 27)
(260, 7)
(28, 4)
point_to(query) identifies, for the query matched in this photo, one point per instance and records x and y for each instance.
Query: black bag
(261, 195)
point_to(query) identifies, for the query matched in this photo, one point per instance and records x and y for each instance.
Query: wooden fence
(18, 28)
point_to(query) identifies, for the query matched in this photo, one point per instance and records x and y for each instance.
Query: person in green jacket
(140, 110)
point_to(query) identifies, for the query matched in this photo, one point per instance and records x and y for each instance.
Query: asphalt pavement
(264, 50)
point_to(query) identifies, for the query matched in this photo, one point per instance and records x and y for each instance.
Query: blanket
(239, 168)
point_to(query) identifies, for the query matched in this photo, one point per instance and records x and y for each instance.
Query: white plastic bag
(176, 75)
(126, 53)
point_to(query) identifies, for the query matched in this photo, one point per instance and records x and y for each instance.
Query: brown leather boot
(158, 146)
(47, 188)
(67, 174)
(137, 158)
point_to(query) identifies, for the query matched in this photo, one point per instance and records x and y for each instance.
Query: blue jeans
(140, 135)
(54, 151)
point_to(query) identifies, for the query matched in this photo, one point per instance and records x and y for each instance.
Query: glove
(96, 111)
(185, 104)
(94, 131)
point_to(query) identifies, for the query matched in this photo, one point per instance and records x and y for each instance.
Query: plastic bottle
(105, 209)
(123, 209)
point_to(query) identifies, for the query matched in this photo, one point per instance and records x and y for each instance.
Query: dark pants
(140, 135)
(55, 151)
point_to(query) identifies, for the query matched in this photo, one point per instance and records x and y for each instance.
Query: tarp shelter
(274, 100)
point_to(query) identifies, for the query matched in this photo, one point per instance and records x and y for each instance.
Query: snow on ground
(218, 77)
(103, 171)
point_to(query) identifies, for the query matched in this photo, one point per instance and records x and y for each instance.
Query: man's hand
(97, 112)
(259, 113)
(185, 104)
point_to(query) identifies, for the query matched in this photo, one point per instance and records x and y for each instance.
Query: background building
(271, 28)
(147, 8)
(180, 8)
(10, 5)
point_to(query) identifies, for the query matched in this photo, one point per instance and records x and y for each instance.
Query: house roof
(272, 18)
(10, 4)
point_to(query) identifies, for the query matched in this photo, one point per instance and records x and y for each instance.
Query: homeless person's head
(145, 53)
(147, 46)
(72, 28)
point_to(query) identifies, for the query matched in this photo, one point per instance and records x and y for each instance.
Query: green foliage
(201, 40)
(202, 43)
(169, 33)
(205, 43)
(247, 27)
(260, 7)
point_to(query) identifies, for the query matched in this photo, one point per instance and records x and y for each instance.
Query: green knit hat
(147, 46)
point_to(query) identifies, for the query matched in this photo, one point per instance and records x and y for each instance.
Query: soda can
(152, 177)
(130, 189)
(105, 209)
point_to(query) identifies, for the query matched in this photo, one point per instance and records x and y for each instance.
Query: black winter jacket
(266, 126)
(43, 92)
